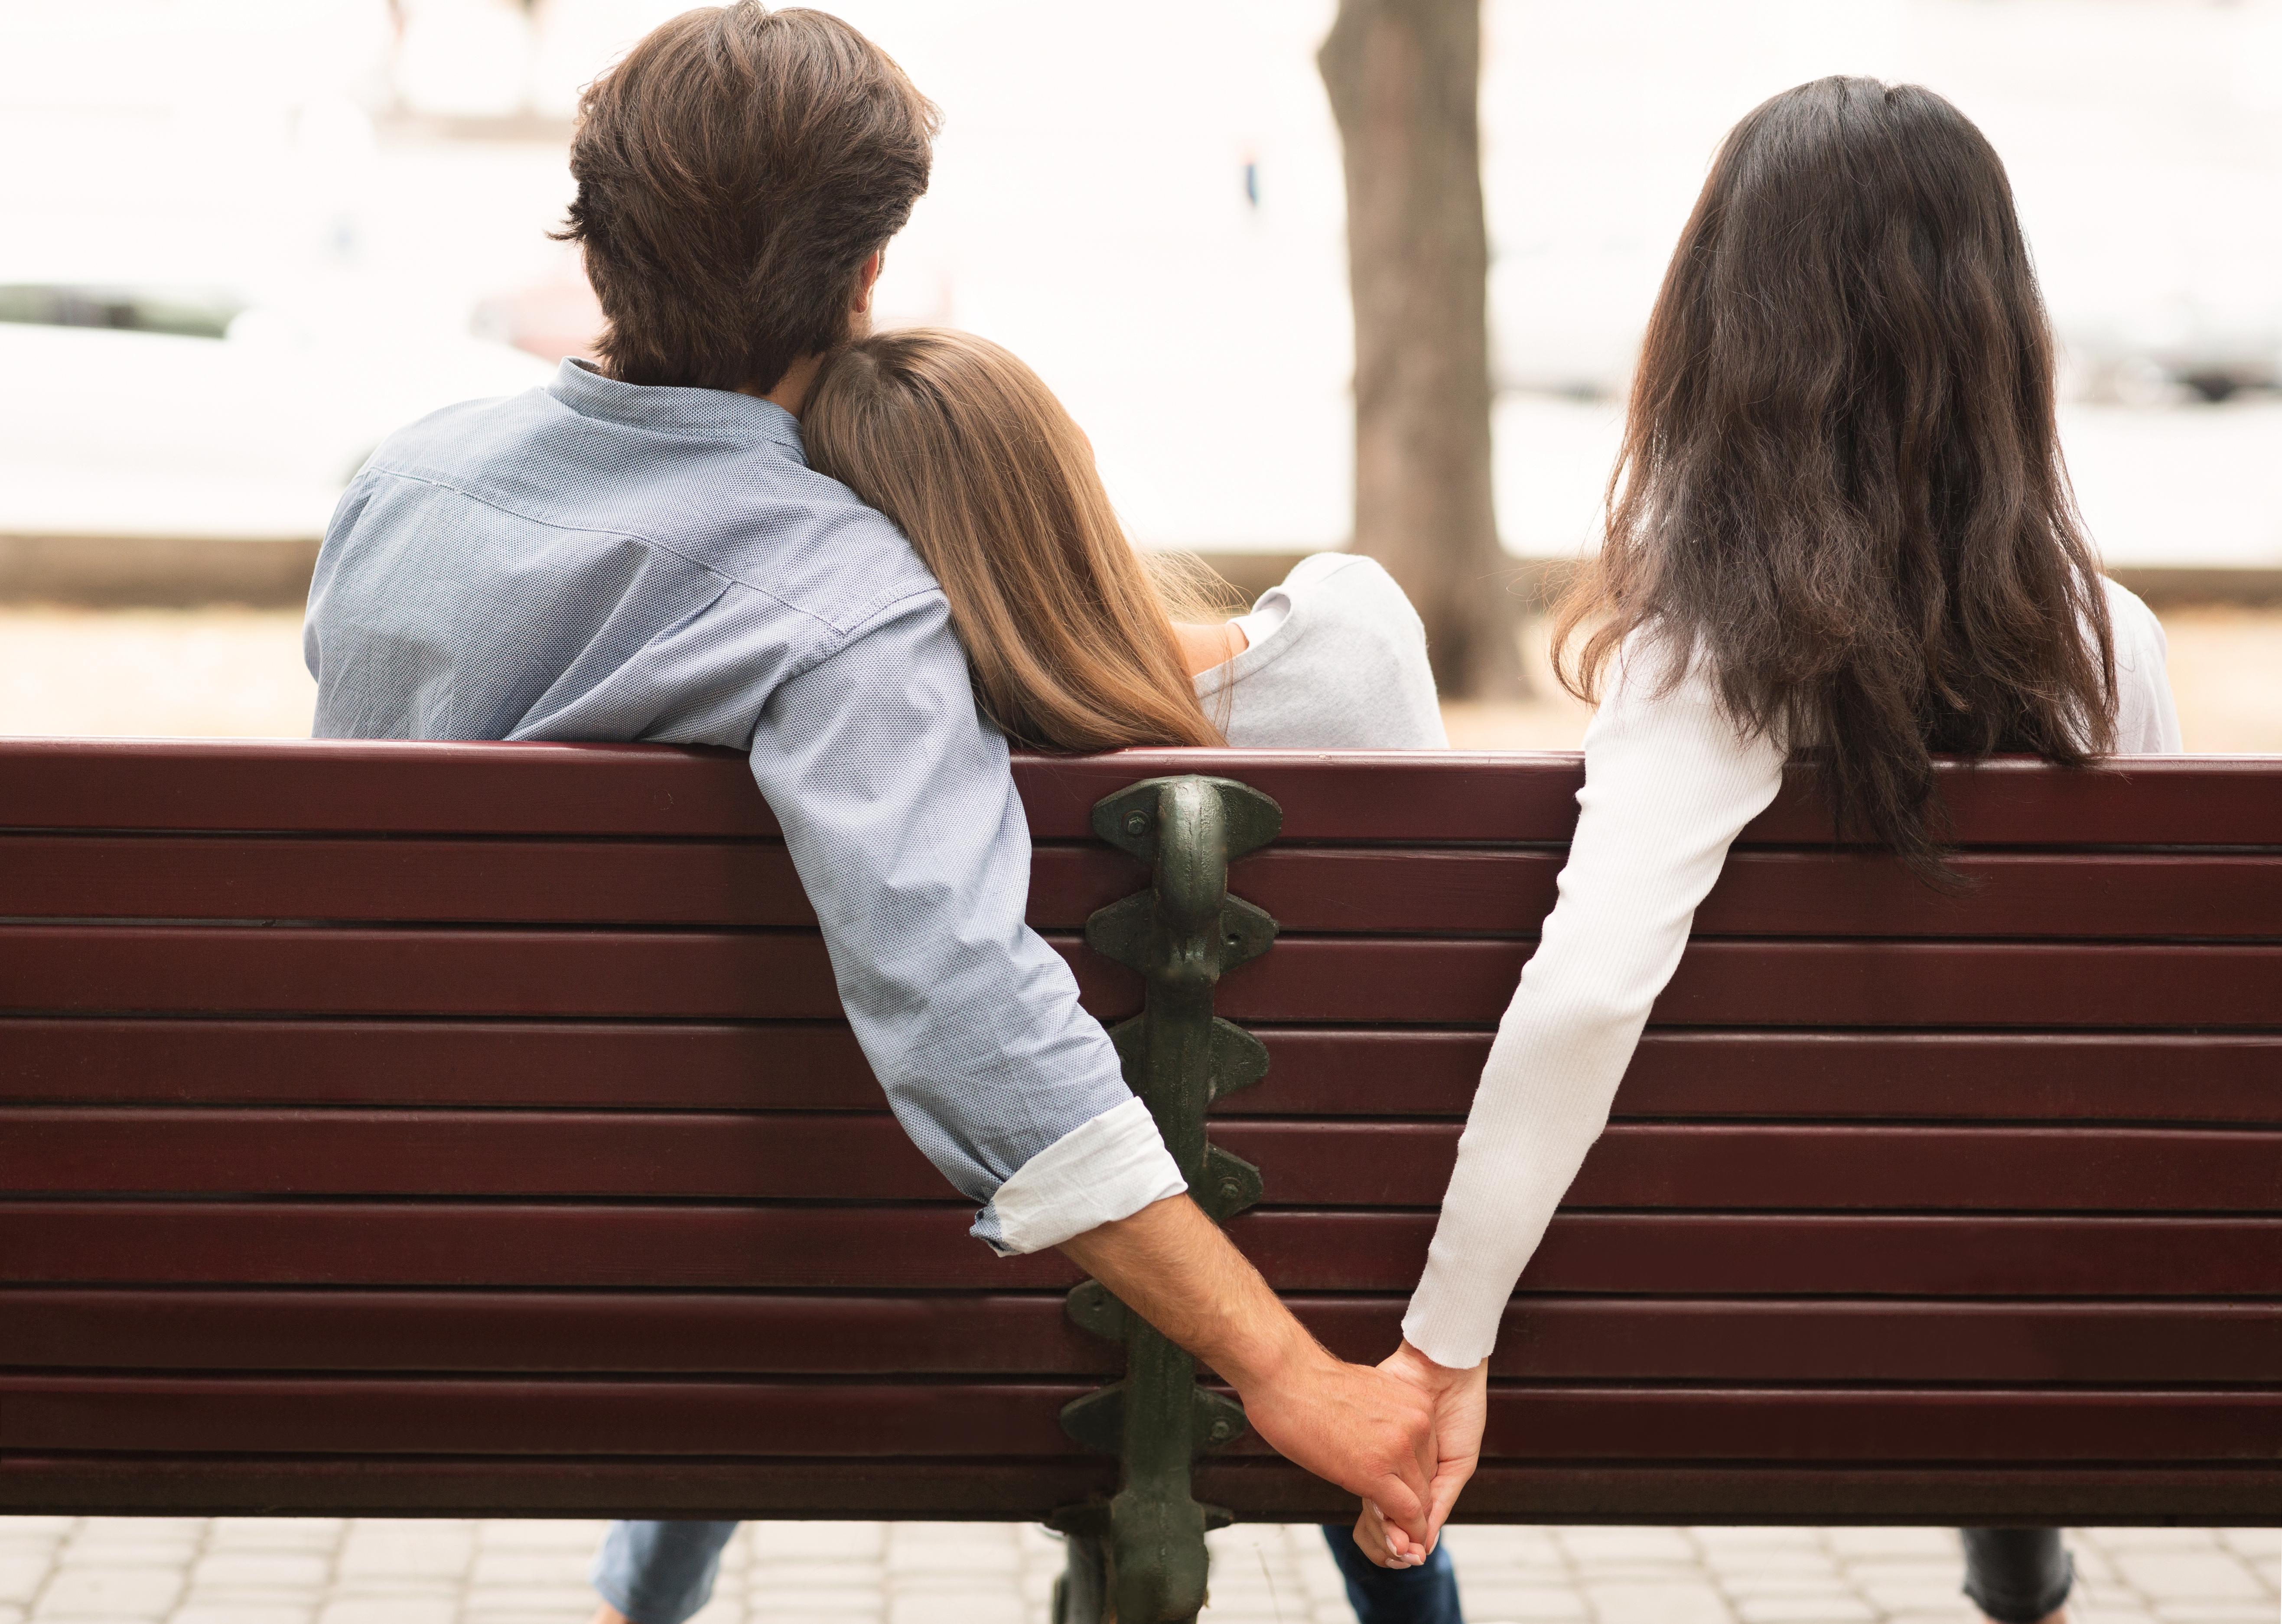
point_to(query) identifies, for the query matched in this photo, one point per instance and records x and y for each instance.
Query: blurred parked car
(2209, 347)
(152, 409)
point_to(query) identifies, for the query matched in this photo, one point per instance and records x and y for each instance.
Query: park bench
(469, 1128)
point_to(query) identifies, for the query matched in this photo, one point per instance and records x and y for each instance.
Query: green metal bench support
(1143, 1550)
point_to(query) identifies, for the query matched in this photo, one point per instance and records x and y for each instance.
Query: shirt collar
(705, 414)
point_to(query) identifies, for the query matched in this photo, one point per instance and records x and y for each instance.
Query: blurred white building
(1146, 203)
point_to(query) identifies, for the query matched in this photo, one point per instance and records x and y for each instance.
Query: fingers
(1414, 1461)
(1403, 1511)
(1459, 1406)
(1370, 1537)
(1450, 1480)
(1383, 1543)
(1442, 1499)
(1425, 1458)
(1406, 1502)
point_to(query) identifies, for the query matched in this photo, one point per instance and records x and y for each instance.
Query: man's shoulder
(748, 511)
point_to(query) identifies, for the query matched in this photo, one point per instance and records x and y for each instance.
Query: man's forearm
(1172, 1265)
(1357, 1428)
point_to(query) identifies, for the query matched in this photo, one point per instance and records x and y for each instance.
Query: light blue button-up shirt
(599, 560)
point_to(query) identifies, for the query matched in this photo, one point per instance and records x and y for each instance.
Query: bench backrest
(456, 1129)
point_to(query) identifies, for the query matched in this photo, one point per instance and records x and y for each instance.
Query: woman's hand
(1460, 1402)
(1384, 1543)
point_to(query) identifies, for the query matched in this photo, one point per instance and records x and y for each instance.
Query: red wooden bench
(465, 1128)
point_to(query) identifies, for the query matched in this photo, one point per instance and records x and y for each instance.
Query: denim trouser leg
(659, 1573)
(2016, 1575)
(1424, 1595)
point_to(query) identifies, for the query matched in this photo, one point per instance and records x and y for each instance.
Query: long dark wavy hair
(1841, 490)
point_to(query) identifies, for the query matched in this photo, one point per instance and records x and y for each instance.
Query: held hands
(1366, 1430)
(1459, 1402)
(1373, 1432)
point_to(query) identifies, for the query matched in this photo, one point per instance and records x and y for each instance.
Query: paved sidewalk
(105, 1570)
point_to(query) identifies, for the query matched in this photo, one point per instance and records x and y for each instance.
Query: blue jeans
(661, 1573)
(1427, 1594)
(2017, 1575)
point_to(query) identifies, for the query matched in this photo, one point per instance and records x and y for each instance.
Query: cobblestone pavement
(110, 1570)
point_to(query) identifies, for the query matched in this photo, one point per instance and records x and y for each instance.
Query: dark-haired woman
(1840, 530)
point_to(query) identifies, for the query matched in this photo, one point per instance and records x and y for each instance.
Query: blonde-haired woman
(1077, 645)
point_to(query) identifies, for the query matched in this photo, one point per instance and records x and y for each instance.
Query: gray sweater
(1337, 661)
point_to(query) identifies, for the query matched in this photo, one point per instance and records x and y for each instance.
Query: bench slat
(508, 881)
(832, 1157)
(1256, 1489)
(1439, 796)
(319, 785)
(1002, 1333)
(338, 785)
(1776, 983)
(1395, 891)
(816, 1066)
(414, 971)
(786, 1065)
(57, 968)
(1765, 1493)
(752, 885)
(1677, 1072)
(846, 1419)
(507, 1417)
(927, 1247)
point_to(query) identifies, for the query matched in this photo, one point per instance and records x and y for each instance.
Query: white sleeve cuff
(1453, 1328)
(1105, 1170)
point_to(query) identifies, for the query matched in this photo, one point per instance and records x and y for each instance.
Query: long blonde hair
(1068, 636)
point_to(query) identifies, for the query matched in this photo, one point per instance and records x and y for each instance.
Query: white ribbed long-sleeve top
(1669, 783)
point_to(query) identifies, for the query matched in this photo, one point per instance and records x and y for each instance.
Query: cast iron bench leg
(1143, 1551)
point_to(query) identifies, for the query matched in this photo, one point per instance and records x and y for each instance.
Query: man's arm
(898, 811)
(1366, 1430)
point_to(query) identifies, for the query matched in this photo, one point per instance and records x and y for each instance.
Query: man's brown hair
(734, 172)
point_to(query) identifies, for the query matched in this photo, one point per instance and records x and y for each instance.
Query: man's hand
(1353, 1426)
(1369, 1431)
(1461, 1403)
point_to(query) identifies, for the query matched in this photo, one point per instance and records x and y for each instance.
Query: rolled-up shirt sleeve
(903, 821)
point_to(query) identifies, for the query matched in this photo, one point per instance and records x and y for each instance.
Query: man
(640, 552)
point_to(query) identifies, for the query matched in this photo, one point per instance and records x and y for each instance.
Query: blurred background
(241, 240)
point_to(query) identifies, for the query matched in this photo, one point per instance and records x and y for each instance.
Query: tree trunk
(1404, 78)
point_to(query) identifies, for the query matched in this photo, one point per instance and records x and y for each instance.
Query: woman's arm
(1669, 783)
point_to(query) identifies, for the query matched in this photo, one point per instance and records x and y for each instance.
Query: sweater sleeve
(1669, 783)
(2146, 717)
